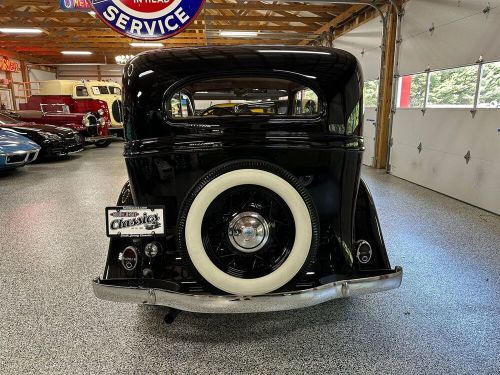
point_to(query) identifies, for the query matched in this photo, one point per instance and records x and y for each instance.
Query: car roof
(328, 68)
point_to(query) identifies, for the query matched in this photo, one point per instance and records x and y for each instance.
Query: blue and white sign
(147, 19)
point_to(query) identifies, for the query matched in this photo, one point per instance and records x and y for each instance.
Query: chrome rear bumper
(204, 303)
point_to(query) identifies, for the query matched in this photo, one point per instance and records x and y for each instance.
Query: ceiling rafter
(274, 22)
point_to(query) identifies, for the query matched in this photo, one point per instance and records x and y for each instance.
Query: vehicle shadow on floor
(243, 327)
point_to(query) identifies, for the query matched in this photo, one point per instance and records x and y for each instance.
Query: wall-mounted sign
(9, 65)
(147, 19)
(75, 5)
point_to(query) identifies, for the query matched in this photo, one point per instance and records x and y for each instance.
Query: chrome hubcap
(248, 232)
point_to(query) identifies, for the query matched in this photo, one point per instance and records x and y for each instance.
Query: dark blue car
(16, 150)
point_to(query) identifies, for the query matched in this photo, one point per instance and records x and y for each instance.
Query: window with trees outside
(370, 94)
(453, 87)
(489, 89)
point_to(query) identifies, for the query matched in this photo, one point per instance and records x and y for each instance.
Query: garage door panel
(446, 136)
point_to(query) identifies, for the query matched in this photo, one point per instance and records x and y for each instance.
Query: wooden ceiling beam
(238, 18)
(313, 8)
(21, 56)
(91, 46)
(343, 17)
(77, 25)
(209, 4)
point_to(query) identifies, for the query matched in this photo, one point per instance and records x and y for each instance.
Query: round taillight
(130, 258)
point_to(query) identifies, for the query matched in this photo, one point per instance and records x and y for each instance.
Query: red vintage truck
(91, 125)
(81, 97)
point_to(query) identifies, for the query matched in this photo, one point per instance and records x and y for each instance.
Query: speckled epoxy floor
(445, 318)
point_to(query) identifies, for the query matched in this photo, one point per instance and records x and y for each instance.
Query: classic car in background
(251, 211)
(16, 150)
(53, 140)
(91, 125)
(81, 97)
(250, 108)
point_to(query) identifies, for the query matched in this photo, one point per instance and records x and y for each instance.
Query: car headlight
(102, 121)
(89, 120)
(51, 136)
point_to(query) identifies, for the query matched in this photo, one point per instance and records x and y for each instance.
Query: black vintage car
(55, 141)
(243, 211)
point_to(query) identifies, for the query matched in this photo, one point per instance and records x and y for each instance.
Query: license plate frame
(135, 221)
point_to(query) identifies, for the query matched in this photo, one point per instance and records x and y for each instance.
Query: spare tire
(248, 227)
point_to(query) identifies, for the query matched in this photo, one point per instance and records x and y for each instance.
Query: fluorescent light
(76, 52)
(146, 44)
(20, 30)
(239, 34)
(292, 51)
(92, 13)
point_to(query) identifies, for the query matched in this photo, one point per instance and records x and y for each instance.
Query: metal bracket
(419, 147)
(432, 28)
(487, 9)
(467, 157)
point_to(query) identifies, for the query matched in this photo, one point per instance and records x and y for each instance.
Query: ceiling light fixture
(122, 59)
(76, 53)
(146, 44)
(20, 30)
(239, 34)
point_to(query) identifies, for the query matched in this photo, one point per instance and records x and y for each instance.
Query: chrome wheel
(248, 232)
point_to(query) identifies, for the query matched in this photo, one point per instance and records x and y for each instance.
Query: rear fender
(367, 228)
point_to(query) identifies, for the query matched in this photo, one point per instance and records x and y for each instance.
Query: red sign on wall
(9, 65)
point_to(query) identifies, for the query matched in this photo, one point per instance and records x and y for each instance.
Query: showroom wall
(109, 72)
(445, 148)
(37, 75)
(16, 91)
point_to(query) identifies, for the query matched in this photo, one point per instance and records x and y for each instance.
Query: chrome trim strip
(250, 304)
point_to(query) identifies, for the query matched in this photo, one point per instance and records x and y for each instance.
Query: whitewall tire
(228, 177)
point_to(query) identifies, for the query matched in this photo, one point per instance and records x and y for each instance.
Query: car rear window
(243, 96)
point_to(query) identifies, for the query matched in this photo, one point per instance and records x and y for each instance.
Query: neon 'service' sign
(147, 19)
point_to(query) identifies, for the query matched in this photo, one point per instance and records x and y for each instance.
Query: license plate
(135, 221)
